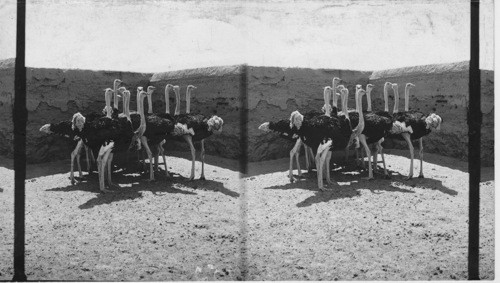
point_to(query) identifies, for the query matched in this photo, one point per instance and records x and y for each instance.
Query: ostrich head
(150, 89)
(410, 85)
(117, 82)
(433, 121)
(77, 121)
(325, 106)
(189, 87)
(168, 87)
(46, 129)
(369, 87)
(387, 84)
(176, 88)
(139, 89)
(394, 86)
(215, 124)
(296, 119)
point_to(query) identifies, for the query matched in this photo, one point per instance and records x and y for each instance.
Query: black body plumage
(197, 122)
(282, 127)
(414, 119)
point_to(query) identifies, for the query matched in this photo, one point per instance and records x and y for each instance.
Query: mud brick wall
(217, 93)
(273, 93)
(444, 90)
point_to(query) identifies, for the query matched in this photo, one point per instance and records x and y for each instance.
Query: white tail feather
(264, 127)
(182, 129)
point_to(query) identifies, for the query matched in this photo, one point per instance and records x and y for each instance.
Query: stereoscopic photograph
(258, 140)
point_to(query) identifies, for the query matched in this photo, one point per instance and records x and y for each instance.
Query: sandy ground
(258, 228)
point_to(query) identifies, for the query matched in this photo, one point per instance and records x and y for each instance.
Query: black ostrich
(195, 127)
(282, 127)
(154, 130)
(375, 129)
(420, 124)
(319, 133)
(65, 130)
(102, 135)
(315, 113)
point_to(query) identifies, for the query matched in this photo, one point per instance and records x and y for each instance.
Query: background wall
(273, 93)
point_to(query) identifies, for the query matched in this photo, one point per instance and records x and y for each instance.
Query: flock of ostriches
(334, 129)
(109, 132)
(321, 132)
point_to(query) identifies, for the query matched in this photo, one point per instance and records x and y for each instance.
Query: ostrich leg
(144, 141)
(297, 154)
(328, 157)
(319, 170)
(162, 151)
(421, 153)
(105, 161)
(362, 139)
(320, 160)
(75, 153)
(381, 150)
(101, 165)
(294, 150)
(306, 154)
(202, 157)
(87, 157)
(189, 140)
(110, 170)
(406, 136)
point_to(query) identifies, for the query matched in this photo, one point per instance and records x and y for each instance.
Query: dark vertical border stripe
(20, 115)
(243, 264)
(474, 119)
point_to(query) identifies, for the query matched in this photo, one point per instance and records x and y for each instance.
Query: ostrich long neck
(334, 90)
(141, 112)
(326, 97)
(115, 95)
(177, 102)
(167, 102)
(138, 101)
(369, 99)
(396, 101)
(386, 98)
(126, 106)
(188, 100)
(346, 99)
(343, 100)
(108, 105)
(359, 101)
(407, 98)
(356, 95)
(150, 103)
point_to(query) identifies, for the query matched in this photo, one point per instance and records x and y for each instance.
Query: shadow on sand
(348, 184)
(131, 187)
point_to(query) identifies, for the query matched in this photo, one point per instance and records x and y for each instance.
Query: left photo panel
(133, 145)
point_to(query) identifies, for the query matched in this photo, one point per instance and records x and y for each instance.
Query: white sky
(151, 36)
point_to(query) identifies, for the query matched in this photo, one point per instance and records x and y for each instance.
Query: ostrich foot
(329, 181)
(323, 189)
(113, 186)
(202, 177)
(408, 178)
(421, 176)
(292, 180)
(106, 191)
(368, 178)
(73, 182)
(387, 177)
